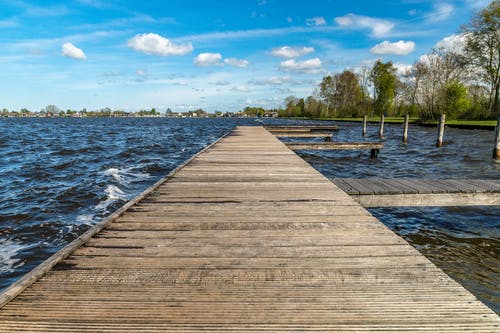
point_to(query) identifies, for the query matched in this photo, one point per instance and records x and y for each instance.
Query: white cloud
(221, 83)
(242, 63)
(477, 4)
(316, 21)
(428, 59)
(379, 27)
(241, 89)
(289, 19)
(208, 59)
(71, 51)
(291, 52)
(453, 43)
(402, 68)
(441, 12)
(154, 44)
(311, 66)
(398, 48)
(9, 23)
(272, 81)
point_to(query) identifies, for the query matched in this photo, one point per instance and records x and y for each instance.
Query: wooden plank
(302, 135)
(233, 242)
(333, 145)
(345, 186)
(417, 186)
(303, 128)
(429, 200)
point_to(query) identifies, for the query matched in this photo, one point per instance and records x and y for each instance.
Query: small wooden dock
(247, 237)
(421, 192)
(373, 146)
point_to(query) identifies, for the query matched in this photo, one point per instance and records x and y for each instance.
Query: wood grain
(246, 238)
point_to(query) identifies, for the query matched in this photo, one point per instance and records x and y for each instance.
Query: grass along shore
(466, 124)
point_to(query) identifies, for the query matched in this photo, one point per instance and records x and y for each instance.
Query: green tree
(383, 77)
(327, 92)
(342, 93)
(348, 93)
(483, 49)
(454, 99)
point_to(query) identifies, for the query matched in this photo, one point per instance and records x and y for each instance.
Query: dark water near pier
(60, 176)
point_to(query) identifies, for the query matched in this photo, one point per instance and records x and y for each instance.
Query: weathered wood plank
(429, 200)
(334, 145)
(247, 237)
(302, 128)
(303, 135)
(421, 192)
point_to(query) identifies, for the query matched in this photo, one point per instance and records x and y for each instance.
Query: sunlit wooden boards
(422, 192)
(247, 238)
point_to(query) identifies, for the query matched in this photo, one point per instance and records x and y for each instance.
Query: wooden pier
(422, 192)
(247, 237)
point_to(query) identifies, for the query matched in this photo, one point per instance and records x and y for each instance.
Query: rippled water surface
(59, 176)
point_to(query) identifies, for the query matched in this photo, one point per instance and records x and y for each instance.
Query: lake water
(60, 176)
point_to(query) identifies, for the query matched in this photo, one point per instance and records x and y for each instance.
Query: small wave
(126, 176)
(114, 193)
(9, 250)
(86, 219)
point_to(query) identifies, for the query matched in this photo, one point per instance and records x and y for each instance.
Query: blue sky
(218, 55)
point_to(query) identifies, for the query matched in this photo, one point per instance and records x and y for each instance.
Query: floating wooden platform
(247, 237)
(303, 135)
(373, 146)
(422, 192)
(311, 128)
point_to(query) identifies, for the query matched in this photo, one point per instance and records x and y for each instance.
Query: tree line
(462, 82)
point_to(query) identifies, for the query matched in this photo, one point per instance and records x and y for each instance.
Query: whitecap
(115, 173)
(85, 218)
(125, 176)
(113, 193)
(9, 249)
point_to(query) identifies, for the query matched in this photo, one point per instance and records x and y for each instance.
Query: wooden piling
(405, 129)
(496, 150)
(442, 122)
(364, 125)
(381, 127)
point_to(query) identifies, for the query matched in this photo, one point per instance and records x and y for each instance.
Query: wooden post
(374, 153)
(496, 107)
(364, 125)
(405, 129)
(381, 128)
(496, 150)
(442, 122)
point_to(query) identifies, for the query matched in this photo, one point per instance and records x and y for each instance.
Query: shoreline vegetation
(465, 124)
